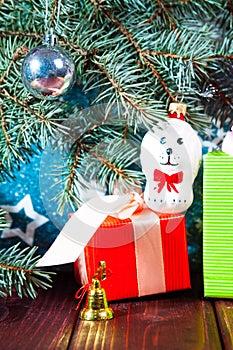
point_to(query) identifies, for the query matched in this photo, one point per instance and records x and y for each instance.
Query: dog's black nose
(169, 151)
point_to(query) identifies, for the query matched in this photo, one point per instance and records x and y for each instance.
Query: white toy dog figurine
(170, 159)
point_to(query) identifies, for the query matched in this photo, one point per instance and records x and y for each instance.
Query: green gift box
(218, 225)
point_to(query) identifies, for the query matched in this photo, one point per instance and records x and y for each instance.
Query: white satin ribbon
(148, 253)
(83, 224)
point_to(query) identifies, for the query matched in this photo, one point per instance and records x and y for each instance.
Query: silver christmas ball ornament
(47, 71)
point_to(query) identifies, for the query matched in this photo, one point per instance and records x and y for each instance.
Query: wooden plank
(169, 323)
(44, 323)
(224, 310)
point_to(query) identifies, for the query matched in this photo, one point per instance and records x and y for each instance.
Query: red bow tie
(171, 180)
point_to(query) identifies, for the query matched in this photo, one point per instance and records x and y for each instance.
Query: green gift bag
(218, 225)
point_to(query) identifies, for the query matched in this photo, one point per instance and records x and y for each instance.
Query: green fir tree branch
(19, 273)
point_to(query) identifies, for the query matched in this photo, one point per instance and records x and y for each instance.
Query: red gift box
(154, 263)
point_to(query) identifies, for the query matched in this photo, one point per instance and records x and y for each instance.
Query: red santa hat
(177, 110)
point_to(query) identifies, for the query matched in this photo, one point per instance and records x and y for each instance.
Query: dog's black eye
(180, 141)
(163, 140)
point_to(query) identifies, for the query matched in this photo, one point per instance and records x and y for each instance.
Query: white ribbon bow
(82, 225)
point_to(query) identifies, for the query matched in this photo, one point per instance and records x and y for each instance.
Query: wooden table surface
(174, 321)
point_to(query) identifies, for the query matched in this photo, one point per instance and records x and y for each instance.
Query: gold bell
(96, 307)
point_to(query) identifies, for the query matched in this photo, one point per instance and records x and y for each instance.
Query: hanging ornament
(47, 71)
(96, 307)
(170, 158)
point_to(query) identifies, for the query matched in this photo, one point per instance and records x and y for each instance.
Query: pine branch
(167, 13)
(115, 159)
(221, 103)
(141, 54)
(19, 274)
(63, 42)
